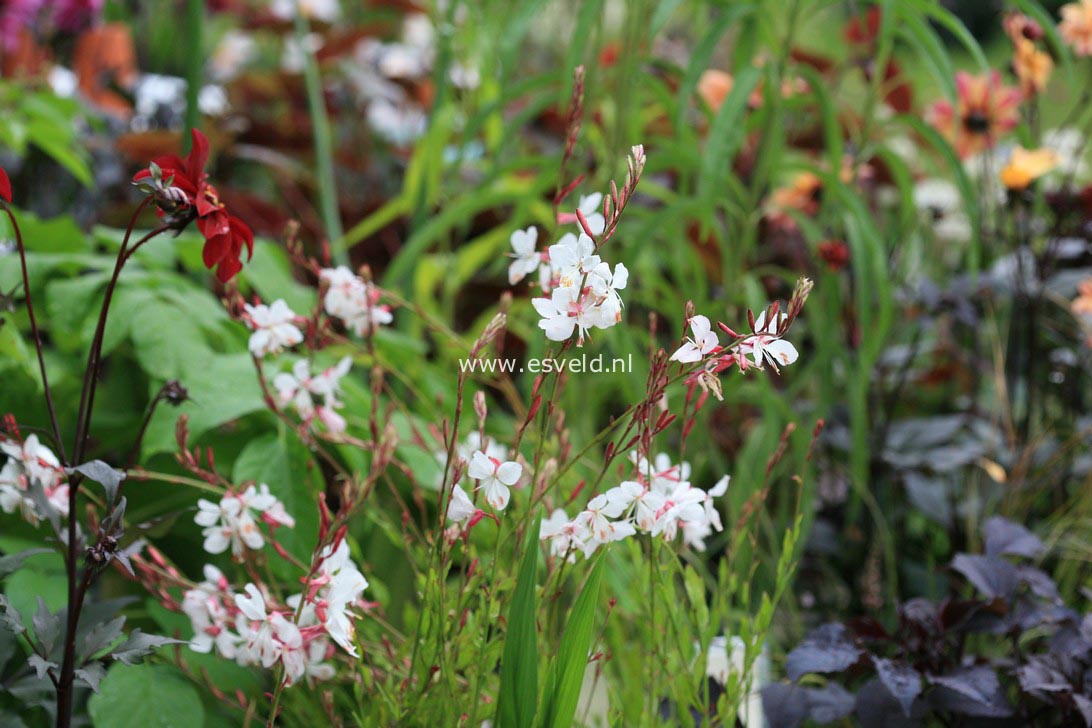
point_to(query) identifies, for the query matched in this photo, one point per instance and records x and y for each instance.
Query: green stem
(195, 21)
(324, 147)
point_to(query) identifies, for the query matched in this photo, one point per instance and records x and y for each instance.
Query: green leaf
(567, 675)
(726, 134)
(283, 464)
(518, 699)
(145, 696)
(222, 387)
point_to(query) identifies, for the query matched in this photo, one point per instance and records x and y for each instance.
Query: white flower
(349, 298)
(231, 522)
(326, 11)
(660, 474)
(300, 389)
(566, 537)
(767, 346)
(572, 258)
(466, 450)
(605, 286)
(494, 478)
(273, 328)
(565, 311)
(206, 606)
(343, 585)
(461, 508)
(527, 258)
(590, 205)
(596, 518)
(702, 343)
(31, 463)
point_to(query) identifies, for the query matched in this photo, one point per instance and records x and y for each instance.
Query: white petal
(497, 494)
(509, 473)
(481, 467)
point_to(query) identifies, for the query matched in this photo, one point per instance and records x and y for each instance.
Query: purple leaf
(1005, 537)
(902, 680)
(827, 649)
(972, 691)
(993, 577)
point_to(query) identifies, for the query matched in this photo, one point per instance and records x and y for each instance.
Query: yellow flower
(1076, 26)
(1025, 166)
(1032, 66)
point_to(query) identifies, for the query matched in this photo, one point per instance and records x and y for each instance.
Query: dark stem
(77, 592)
(37, 337)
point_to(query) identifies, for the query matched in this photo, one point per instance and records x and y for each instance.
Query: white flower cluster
(764, 346)
(582, 289)
(353, 300)
(31, 463)
(660, 502)
(244, 628)
(488, 464)
(314, 396)
(274, 328)
(234, 520)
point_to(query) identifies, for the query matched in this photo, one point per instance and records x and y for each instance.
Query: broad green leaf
(144, 696)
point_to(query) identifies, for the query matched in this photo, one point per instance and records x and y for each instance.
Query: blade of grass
(567, 675)
(324, 147)
(518, 698)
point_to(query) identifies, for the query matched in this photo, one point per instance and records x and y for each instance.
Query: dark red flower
(835, 253)
(5, 185)
(189, 196)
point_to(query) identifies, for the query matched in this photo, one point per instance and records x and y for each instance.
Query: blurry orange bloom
(714, 86)
(1032, 66)
(1082, 304)
(804, 194)
(984, 110)
(1019, 26)
(1025, 166)
(1076, 26)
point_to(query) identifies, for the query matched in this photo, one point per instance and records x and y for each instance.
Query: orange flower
(804, 194)
(1076, 26)
(1025, 166)
(1018, 25)
(1082, 304)
(714, 86)
(985, 109)
(1032, 66)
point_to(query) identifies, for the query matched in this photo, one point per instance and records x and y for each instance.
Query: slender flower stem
(37, 336)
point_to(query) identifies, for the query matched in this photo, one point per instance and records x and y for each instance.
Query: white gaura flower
(573, 257)
(326, 11)
(354, 301)
(590, 206)
(767, 346)
(685, 504)
(300, 388)
(207, 607)
(566, 537)
(702, 342)
(605, 286)
(340, 586)
(527, 258)
(273, 326)
(345, 292)
(31, 462)
(461, 508)
(494, 478)
(565, 311)
(231, 522)
(596, 518)
(660, 474)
